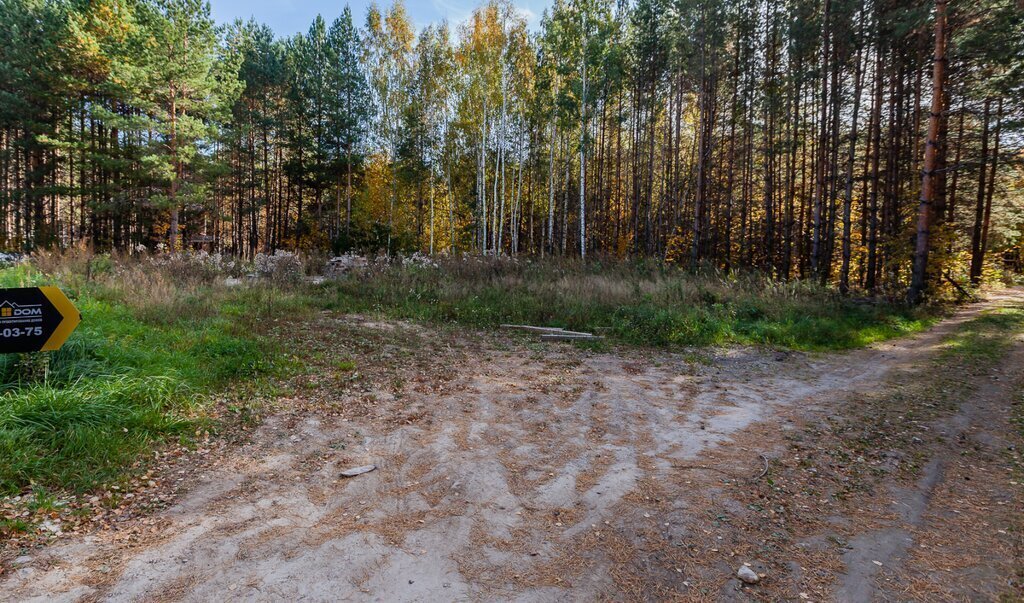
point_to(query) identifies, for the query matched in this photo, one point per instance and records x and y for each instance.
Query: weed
(14, 526)
(42, 501)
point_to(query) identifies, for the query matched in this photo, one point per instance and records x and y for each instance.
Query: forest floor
(513, 470)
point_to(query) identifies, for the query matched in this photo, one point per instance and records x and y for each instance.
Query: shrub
(195, 267)
(279, 267)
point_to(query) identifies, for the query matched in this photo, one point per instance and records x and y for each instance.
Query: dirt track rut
(535, 476)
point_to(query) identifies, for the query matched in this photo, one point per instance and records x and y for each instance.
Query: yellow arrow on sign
(71, 317)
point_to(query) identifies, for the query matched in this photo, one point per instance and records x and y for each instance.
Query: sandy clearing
(537, 476)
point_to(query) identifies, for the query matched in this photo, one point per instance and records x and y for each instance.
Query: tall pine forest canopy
(875, 145)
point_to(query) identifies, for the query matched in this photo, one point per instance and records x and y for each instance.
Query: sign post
(35, 319)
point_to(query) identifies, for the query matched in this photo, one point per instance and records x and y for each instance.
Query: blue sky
(289, 17)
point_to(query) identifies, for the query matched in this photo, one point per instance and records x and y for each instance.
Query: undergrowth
(142, 367)
(161, 337)
(638, 303)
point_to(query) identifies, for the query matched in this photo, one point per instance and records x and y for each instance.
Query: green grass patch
(140, 369)
(638, 303)
(984, 340)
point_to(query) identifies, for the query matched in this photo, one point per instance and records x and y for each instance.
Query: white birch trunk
(431, 185)
(483, 181)
(450, 194)
(516, 208)
(550, 243)
(567, 157)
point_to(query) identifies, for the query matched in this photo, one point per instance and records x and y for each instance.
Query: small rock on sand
(358, 470)
(747, 575)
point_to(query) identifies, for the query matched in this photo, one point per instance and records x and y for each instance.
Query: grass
(898, 416)
(161, 338)
(983, 341)
(638, 303)
(140, 369)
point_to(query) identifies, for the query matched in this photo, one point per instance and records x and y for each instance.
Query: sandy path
(939, 517)
(537, 477)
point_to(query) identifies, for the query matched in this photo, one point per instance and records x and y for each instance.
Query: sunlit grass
(131, 376)
(156, 343)
(985, 339)
(642, 304)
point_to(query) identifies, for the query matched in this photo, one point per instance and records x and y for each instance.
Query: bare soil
(512, 470)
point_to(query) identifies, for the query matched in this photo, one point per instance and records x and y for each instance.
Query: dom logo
(9, 310)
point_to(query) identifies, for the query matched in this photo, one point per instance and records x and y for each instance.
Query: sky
(288, 17)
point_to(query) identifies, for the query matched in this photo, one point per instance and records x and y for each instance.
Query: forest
(633, 300)
(873, 145)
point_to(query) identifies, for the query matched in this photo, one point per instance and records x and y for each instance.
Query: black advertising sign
(34, 319)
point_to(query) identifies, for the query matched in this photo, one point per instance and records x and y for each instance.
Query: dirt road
(529, 473)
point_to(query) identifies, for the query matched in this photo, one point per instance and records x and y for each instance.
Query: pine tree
(181, 89)
(350, 108)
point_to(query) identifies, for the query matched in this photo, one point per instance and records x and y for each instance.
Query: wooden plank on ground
(534, 329)
(544, 330)
(570, 337)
